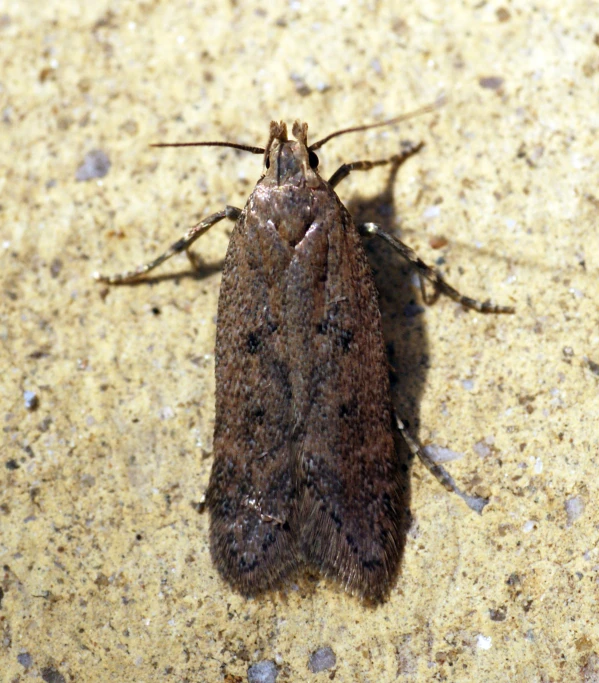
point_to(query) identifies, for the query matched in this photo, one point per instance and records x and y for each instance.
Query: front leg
(343, 171)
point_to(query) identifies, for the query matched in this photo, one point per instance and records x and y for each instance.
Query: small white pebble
(482, 449)
(167, 413)
(263, 672)
(440, 454)
(574, 509)
(484, 642)
(31, 400)
(324, 658)
(432, 212)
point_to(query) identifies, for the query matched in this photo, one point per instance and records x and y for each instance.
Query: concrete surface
(108, 394)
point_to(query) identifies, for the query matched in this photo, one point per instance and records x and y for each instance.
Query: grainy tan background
(106, 569)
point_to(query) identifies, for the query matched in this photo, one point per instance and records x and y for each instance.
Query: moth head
(287, 160)
(290, 160)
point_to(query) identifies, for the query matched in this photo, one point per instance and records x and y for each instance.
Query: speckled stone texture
(107, 394)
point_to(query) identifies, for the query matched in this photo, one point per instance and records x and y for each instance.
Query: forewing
(307, 462)
(352, 463)
(251, 491)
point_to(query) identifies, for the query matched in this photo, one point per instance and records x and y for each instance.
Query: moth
(309, 457)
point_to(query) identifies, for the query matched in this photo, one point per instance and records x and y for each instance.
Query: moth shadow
(401, 311)
(399, 299)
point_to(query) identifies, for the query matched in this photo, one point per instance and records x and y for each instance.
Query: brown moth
(304, 420)
(310, 461)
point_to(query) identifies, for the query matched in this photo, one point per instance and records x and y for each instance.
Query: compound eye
(267, 162)
(313, 159)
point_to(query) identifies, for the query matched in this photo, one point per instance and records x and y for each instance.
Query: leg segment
(441, 287)
(398, 159)
(180, 245)
(475, 503)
